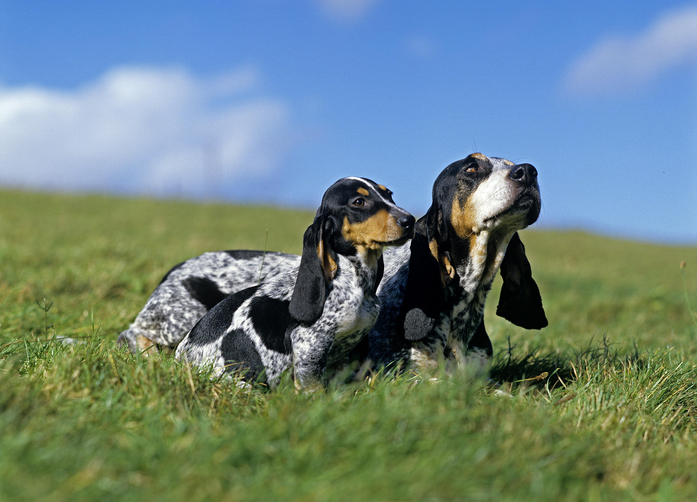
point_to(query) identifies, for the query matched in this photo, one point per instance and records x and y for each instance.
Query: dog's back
(192, 288)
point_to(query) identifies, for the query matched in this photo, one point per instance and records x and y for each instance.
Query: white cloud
(346, 10)
(622, 63)
(143, 130)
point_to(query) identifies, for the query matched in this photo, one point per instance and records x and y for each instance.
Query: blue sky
(271, 101)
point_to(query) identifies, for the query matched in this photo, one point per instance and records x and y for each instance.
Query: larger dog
(311, 316)
(433, 290)
(435, 287)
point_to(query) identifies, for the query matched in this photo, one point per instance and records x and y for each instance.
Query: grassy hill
(602, 405)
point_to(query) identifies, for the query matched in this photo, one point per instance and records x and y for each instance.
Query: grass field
(603, 402)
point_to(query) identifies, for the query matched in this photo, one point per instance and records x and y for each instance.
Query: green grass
(602, 405)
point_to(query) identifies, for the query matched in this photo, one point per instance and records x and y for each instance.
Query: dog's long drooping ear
(520, 301)
(317, 269)
(424, 292)
(380, 272)
(435, 225)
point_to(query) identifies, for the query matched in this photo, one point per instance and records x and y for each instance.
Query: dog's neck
(368, 257)
(475, 274)
(486, 253)
(365, 267)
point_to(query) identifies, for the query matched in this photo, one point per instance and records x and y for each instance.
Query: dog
(307, 317)
(436, 286)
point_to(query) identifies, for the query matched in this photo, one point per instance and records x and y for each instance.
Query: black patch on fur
(204, 291)
(212, 325)
(241, 356)
(380, 272)
(271, 320)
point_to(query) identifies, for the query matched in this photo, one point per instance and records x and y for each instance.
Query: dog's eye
(472, 169)
(358, 202)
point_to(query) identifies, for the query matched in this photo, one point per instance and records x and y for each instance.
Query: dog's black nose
(524, 173)
(406, 221)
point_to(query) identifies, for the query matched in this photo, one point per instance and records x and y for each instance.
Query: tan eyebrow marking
(363, 191)
(508, 162)
(480, 156)
(383, 187)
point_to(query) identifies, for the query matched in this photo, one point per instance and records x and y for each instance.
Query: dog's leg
(137, 342)
(310, 351)
(479, 352)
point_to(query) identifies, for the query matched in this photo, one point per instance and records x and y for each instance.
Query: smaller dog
(310, 317)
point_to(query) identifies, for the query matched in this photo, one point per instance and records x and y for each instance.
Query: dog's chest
(464, 316)
(359, 309)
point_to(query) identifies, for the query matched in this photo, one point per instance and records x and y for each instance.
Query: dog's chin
(380, 245)
(523, 211)
(396, 242)
(513, 218)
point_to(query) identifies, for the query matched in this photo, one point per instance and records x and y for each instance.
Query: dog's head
(472, 197)
(478, 194)
(357, 217)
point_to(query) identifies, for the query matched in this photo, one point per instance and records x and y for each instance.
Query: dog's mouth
(376, 244)
(404, 234)
(395, 242)
(525, 207)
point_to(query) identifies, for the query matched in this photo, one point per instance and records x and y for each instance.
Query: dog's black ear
(520, 301)
(435, 224)
(317, 269)
(380, 272)
(432, 220)
(424, 292)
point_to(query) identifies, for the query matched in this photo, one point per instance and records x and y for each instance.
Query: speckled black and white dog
(310, 316)
(435, 287)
